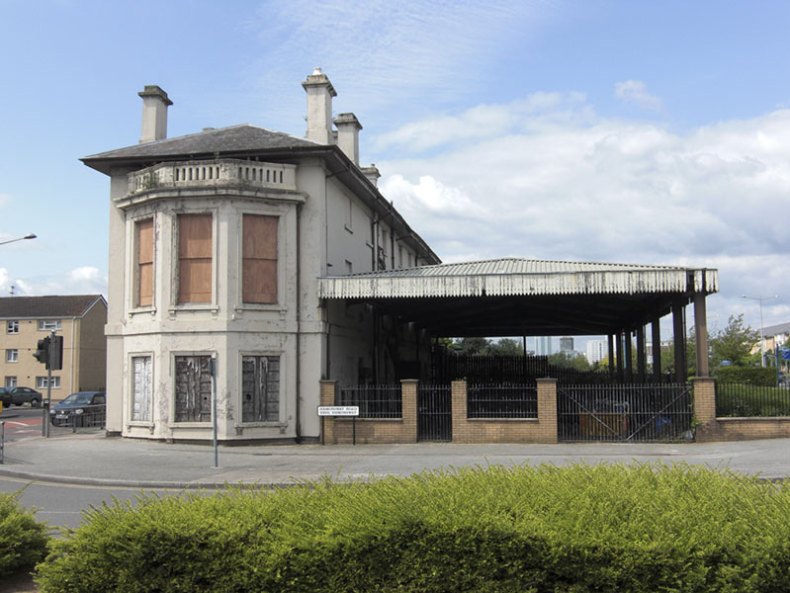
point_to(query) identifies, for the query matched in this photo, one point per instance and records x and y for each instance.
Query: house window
(144, 252)
(194, 258)
(12, 327)
(259, 254)
(12, 355)
(141, 388)
(260, 387)
(41, 383)
(10, 382)
(193, 388)
(349, 215)
(49, 325)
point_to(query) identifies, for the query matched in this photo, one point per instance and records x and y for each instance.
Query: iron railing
(434, 412)
(636, 412)
(91, 416)
(749, 401)
(491, 400)
(374, 401)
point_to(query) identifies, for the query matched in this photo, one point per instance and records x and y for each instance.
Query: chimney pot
(155, 104)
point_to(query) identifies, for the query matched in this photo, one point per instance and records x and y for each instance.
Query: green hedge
(23, 540)
(746, 375)
(577, 529)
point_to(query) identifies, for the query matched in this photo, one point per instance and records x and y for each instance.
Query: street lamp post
(28, 236)
(760, 300)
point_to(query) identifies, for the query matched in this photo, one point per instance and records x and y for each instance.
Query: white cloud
(635, 91)
(582, 187)
(82, 280)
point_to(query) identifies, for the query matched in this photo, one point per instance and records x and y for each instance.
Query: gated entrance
(648, 412)
(434, 413)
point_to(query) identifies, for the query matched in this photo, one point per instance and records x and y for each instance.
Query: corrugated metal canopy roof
(525, 297)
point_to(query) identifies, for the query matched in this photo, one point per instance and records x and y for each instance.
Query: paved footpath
(114, 461)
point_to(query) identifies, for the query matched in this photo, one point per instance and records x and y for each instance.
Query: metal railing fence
(749, 401)
(637, 412)
(506, 400)
(374, 401)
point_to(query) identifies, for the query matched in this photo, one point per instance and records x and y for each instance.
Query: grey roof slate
(24, 307)
(775, 330)
(241, 138)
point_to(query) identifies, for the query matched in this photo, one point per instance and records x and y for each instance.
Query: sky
(581, 130)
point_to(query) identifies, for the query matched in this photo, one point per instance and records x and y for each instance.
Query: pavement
(95, 459)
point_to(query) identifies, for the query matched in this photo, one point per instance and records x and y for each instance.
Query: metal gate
(434, 413)
(660, 412)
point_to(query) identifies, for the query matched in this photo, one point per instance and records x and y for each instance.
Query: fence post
(409, 403)
(328, 389)
(704, 406)
(547, 410)
(458, 406)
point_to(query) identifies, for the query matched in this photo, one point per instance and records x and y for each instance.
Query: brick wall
(542, 429)
(713, 429)
(341, 431)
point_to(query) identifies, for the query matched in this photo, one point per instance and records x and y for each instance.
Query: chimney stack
(348, 128)
(155, 104)
(372, 173)
(319, 107)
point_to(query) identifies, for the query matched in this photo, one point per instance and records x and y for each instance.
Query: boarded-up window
(259, 254)
(193, 388)
(144, 239)
(260, 387)
(194, 258)
(141, 388)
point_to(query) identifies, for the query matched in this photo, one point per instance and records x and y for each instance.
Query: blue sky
(606, 130)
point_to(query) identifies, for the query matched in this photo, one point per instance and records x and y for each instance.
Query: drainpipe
(298, 410)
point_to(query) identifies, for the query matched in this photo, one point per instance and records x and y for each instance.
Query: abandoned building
(263, 275)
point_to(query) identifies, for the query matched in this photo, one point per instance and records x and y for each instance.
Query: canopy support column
(701, 333)
(679, 337)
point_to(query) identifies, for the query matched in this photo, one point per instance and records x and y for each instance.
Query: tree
(472, 346)
(734, 343)
(570, 360)
(506, 347)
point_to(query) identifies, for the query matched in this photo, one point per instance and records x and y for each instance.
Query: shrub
(23, 540)
(746, 375)
(584, 528)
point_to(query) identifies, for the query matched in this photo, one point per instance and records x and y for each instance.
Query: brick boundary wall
(712, 429)
(386, 431)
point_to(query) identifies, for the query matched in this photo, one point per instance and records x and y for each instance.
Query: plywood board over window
(194, 258)
(144, 238)
(259, 254)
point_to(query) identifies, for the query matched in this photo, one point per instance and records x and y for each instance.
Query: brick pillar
(547, 410)
(408, 389)
(458, 402)
(328, 422)
(704, 406)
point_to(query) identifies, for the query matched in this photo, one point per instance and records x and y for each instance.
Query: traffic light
(55, 353)
(42, 351)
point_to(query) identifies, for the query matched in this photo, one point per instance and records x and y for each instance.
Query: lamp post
(760, 300)
(28, 236)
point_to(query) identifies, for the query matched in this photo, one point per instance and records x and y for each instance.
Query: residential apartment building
(79, 319)
(217, 243)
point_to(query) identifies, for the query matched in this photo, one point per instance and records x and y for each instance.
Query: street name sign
(338, 410)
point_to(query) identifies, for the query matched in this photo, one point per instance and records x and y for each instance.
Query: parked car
(16, 396)
(83, 408)
(5, 397)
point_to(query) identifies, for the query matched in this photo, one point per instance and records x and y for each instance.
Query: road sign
(785, 353)
(338, 410)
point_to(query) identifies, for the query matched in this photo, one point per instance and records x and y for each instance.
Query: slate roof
(234, 139)
(26, 307)
(776, 330)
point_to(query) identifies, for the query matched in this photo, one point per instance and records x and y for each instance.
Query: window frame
(174, 422)
(10, 381)
(281, 401)
(12, 327)
(12, 355)
(176, 302)
(41, 382)
(277, 219)
(132, 393)
(137, 275)
(48, 325)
